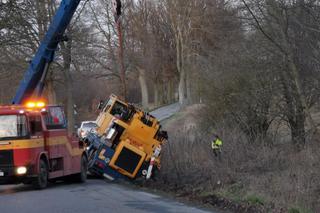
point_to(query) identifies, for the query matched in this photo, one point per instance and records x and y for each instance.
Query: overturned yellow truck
(127, 142)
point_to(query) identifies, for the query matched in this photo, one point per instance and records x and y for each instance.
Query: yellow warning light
(39, 104)
(31, 104)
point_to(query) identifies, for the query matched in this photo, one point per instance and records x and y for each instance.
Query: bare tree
(275, 20)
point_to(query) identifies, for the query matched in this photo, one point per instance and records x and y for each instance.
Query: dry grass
(277, 176)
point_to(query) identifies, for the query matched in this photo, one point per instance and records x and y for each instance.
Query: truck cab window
(55, 118)
(13, 127)
(108, 105)
(35, 125)
(22, 126)
(121, 111)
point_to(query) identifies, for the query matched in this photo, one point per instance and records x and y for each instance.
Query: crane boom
(34, 77)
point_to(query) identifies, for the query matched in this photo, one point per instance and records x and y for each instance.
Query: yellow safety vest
(216, 144)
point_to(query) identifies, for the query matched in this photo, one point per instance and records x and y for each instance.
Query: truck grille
(128, 160)
(6, 157)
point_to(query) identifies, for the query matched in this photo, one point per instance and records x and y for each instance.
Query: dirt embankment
(248, 177)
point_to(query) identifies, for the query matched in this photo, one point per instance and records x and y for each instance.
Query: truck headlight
(83, 134)
(21, 170)
(111, 133)
(144, 172)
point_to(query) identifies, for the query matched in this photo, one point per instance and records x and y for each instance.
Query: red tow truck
(35, 146)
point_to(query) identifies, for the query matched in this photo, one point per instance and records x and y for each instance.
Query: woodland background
(245, 69)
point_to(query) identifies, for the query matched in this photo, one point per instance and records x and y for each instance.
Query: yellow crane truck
(127, 142)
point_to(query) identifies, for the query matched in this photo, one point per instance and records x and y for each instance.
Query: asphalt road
(165, 112)
(94, 196)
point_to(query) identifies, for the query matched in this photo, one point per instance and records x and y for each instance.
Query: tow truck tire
(41, 181)
(82, 176)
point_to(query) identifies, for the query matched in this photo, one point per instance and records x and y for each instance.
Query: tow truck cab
(35, 145)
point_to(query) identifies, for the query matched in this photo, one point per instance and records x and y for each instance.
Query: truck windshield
(108, 105)
(89, 125)
(13, 127)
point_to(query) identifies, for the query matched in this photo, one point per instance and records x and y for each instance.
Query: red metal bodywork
(54, 145)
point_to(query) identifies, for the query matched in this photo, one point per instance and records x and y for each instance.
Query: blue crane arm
(34, 77)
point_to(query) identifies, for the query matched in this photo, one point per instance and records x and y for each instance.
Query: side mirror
(44, 112)
(100, 106)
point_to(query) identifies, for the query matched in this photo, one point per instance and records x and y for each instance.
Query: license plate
(1, 174)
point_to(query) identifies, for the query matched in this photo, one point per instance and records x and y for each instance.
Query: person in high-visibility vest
(216, 145)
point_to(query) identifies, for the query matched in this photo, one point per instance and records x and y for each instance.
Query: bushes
(256, 173)
(299, 210)
(254, 200)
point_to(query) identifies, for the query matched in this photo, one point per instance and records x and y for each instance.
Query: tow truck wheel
(82, 176)
(41, 181)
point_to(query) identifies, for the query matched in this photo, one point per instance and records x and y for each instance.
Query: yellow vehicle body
(136, 132)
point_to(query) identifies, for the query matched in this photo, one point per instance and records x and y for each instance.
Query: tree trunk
(170, 91)
(162, 96)
(42, 20)
(189, 87)
(298, 133)
(144, 88)
(121, 62)
(156, 94)
(182, 86)
(66, 52)
(49, 92)
(300, 94)
(181, 70)
(294, 110)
